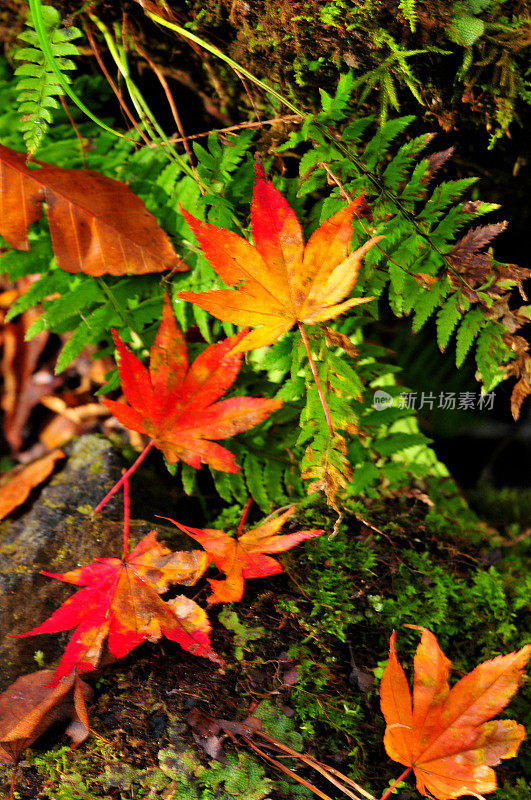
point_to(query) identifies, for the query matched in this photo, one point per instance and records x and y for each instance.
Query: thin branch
(393, 786)
(124, 477)
(174, 110)
(127, 517)
(117, 91)
(286, 770)
(76, 129)
(239, 127)
(244, 516)
(316, 378)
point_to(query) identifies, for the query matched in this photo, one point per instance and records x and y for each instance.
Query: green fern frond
(37, 84)
(409, 10)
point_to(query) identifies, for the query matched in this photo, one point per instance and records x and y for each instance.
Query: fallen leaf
(24, 383)
(174, 404)
(97, 224)
(245, 557)
(20, 482)
(280, 281)
(120, 604)
(29, 706)
(444, 736)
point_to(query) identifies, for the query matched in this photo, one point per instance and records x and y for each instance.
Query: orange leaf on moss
(175, 404)
(445, 734)
(281, 282)
(246, 556)
(18, 487)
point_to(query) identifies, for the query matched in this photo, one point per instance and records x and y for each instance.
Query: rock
(58, 534)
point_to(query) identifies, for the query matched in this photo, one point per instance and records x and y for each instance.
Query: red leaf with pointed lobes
(444, 735)
(245, 557)
(281, 281)
(175, 404)
(120, 605)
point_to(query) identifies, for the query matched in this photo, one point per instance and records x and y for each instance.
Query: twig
(76, 129)
(244, 516)
(175, 112)
(13, 781)
(393, 786)
(239, 127)
(127, 517)
(286, 770)
(117, 91)
(124, 477)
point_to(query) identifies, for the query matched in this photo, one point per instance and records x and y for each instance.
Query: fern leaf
(468, 330)
(409, 10)
(252, 469)
(447, 319)
(37, 83)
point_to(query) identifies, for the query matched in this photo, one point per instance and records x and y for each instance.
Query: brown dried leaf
(97, 224)
(474, 266)
(435, 162)
(338, 339)
(19, 486)
(23, 383)
(29, 706)
(521, 390)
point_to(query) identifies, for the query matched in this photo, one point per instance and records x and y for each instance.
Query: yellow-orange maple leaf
(281, 282)
(445, 735)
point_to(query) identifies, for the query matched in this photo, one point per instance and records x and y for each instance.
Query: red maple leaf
(120, 604)
(175, 405)
(280, 281)
(245, 556)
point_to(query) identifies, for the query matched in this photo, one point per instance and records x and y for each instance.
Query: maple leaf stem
(124, 477)
(313, 368)
(127, 516)
(393, 786)
(13, 781)
(244, 516)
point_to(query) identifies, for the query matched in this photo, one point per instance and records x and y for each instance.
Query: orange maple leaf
(245, 556)
(175, 404)
(120, 604)
(445, 736)
(282, 282)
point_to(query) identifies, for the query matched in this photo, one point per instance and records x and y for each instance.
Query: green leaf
(468, 330)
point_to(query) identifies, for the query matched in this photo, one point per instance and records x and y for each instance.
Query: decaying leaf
(97, 224)
(20, 482)
(29, 706)
(175, 405)
(445, 735)
(472, 265)
(120, 605)
(281, 282)
(24, 383)
(245, 557)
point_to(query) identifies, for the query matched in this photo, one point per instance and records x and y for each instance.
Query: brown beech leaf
(97, 224)
(18, 487)
(29, 706)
